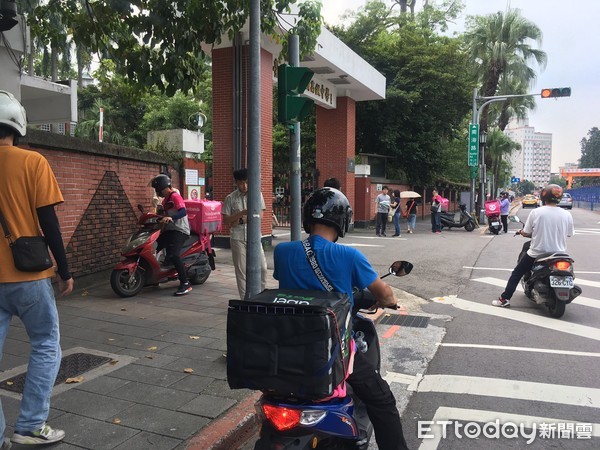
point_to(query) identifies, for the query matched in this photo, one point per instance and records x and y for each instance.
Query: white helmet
(12, 113)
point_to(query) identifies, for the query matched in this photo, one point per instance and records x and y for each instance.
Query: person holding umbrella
(411, 209)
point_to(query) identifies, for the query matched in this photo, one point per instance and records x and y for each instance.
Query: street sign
(515, 180)
(473, 144)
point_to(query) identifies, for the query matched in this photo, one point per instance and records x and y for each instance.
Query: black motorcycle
(551, 279)
(459, 219)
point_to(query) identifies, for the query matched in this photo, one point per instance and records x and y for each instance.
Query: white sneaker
(45, 435)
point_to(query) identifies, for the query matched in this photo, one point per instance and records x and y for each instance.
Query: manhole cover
(405, 321)
(70, 366)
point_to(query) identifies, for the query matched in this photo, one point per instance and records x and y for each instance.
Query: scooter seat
(552, 255)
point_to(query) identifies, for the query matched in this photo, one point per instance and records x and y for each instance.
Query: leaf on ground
(123, 309)
(117, 420)
(188, 370)
(9, 383)
(194, 337)
(74, 380)
(153, 348)
(113, 362)
(150, 357)
(111, 339)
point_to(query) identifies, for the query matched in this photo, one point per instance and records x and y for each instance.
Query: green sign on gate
(473, 144)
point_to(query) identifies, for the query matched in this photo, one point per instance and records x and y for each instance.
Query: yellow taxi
(530, 201)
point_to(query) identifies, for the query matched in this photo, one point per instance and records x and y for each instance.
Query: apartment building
(533, 161)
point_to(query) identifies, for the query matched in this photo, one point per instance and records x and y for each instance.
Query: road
(481, 365)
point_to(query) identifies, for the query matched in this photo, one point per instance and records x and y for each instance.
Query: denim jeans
(33, 302)
(412, 221)
(397, 223)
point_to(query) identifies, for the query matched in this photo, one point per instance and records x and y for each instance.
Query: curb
(231, 431)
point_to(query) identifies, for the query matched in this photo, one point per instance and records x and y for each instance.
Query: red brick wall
(223, 183)
(336, 129)
(101, 193)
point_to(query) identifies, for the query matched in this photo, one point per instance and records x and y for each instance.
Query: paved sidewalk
(167, 378)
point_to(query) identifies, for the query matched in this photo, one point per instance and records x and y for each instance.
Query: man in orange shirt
(28, 193)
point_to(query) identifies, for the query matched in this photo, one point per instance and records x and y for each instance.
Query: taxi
(530, 201)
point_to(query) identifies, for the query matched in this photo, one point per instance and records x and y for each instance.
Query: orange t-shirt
(26, 183)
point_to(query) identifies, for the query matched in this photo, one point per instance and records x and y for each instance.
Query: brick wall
(102, 185)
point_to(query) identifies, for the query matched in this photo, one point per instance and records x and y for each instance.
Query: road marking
(522, 349)
(519, 316)
(584, 301)
(445, 413)
(390, 332)
(501, 388)
(500, 269)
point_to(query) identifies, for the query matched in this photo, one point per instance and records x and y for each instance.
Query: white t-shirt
(549, 227)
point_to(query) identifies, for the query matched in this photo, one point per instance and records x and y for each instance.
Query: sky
(571, 36)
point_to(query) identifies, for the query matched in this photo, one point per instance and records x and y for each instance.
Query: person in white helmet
(28, 193)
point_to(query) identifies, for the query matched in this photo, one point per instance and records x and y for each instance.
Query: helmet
(552, 193)
(160, 182)
(330, 207)
(12, 114)
(503, 194)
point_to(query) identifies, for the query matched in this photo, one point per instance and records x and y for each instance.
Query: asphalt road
(481, 365)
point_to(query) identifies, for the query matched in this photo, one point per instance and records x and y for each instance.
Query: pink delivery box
(492, 208)
(204, 215)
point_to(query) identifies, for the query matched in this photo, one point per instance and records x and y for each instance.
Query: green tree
(160, 43)
(498, 149)
(590, 156)
(558, 180)
(499, 45)
(526, 187)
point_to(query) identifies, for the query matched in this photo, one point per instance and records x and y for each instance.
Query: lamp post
(482, 177)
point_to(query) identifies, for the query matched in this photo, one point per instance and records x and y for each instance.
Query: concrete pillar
(222, 85)
(336, 146)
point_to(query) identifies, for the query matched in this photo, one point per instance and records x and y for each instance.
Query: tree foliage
(590, 156)
(158, 43)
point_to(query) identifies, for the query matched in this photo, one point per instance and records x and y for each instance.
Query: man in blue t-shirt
(327, 215)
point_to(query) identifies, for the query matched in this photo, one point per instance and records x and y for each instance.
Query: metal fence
(587, 197)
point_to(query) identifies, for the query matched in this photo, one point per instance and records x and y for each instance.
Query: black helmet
(503, 194)
(552, 193)
(160, 182)
(330, 207)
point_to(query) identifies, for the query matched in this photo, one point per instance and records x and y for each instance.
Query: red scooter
(143, 266)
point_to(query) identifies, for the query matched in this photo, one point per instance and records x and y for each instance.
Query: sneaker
(378, 235)
(501, 302)
(6, 445)
(438, 232)
(45, 435)
(184, 289)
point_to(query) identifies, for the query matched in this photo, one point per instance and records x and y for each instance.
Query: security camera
(8, 12)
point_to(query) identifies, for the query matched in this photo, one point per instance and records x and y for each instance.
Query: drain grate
(70, 366)
(405, 321)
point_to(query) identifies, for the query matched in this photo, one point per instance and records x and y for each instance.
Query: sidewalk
(166, 379)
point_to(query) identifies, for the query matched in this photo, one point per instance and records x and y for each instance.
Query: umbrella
(409, 194)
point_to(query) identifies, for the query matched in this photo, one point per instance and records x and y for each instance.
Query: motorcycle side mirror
(140, 207)
(514, 219)
(399, 269)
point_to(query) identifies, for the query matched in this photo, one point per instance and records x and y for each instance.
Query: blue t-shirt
(344, 267)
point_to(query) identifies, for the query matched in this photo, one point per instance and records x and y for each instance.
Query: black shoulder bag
(30, 253)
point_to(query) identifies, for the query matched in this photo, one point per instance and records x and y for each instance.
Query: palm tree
(498, 149)
(498, 45)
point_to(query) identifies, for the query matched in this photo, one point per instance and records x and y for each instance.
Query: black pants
(504, 219)
(436, 224)
(381, 222)
(172, 241)
(377, 396)
(523, 267)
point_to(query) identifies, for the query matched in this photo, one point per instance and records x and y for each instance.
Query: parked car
(566, 201)
(530, 201)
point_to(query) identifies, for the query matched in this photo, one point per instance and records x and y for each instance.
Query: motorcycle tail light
(562, 265)
(282, 418)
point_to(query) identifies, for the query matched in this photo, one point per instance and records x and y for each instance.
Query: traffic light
(556, 92)
(292, 81)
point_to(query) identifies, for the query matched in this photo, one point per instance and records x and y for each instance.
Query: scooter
(296, 423)
(492, 212)
(143, 266)
(458, 219)
(551, 279)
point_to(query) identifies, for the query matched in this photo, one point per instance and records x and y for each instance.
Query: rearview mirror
(514, 218)
(399, 269)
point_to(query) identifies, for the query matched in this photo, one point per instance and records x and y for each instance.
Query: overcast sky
(571, 35)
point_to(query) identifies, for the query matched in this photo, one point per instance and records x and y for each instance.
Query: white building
(533, 161)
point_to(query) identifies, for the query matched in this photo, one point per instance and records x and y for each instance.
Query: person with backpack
(326, 217)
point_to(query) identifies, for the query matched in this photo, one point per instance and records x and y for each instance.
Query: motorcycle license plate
(558, 282)
(495, 224)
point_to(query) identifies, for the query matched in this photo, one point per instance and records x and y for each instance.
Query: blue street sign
(515, 180)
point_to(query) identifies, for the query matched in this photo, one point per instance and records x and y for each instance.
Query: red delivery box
(204, 215)
(444, 203)
(492, 208)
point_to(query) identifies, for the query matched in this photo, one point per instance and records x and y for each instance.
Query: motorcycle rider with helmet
(176, 228)
(326, 217)
(548, 227)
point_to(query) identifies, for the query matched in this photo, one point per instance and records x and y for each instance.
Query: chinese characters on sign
(473, 144)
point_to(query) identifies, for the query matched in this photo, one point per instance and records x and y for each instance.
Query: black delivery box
(289, 342)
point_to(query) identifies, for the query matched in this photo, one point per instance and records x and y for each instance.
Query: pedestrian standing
(235, 213)
(28, 193)
(411, 214)
(383, 206)
(436, 212)
(504, 208)
(397, 208)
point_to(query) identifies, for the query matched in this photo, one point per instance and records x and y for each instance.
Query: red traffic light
(556, 92)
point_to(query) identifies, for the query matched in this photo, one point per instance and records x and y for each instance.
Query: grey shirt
(234, 203)
(383, 203)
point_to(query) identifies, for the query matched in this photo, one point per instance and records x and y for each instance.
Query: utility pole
(295, 166)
